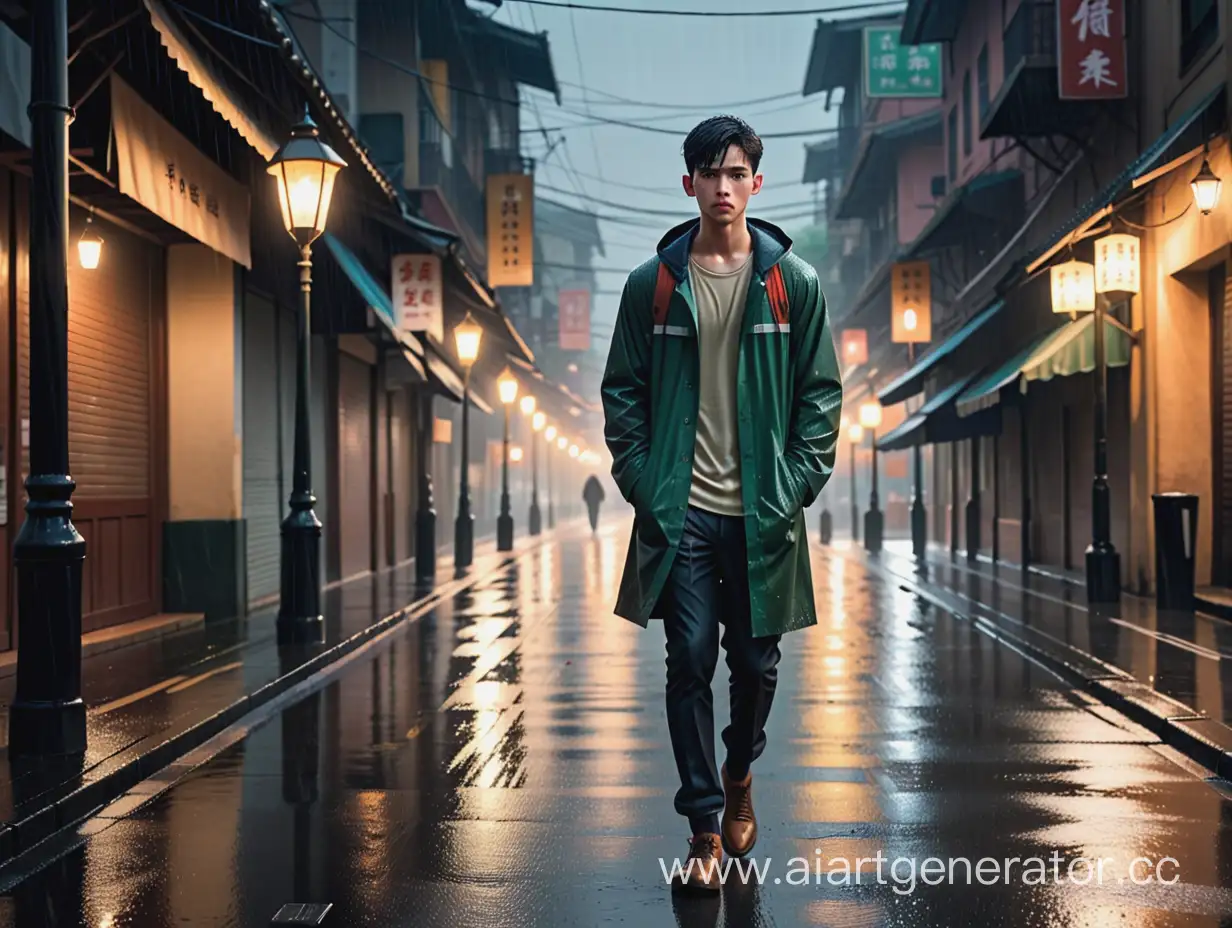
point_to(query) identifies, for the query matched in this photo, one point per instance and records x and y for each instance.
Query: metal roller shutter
(354, 465)
(1223, 518)
(263, 486)
(403, 516)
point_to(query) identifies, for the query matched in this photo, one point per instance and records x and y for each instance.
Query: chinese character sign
(855, 347)
(1117, 264)
(511, 246)
(1091, 58)
(894, 70)
(417, 294)
(911, 302)
(1073, 287)
(574, 310)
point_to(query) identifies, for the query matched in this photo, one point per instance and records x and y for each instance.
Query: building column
(204, 536)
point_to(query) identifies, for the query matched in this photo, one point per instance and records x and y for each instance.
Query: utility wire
(654, 212)
(848, 8)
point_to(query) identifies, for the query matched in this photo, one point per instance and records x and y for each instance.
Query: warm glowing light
(574, 451)
(855, 434)
(528, 405)
(550, 434)
(573, 368)
(538, 421)
(870, 415)
(1117, 265)
(515, 453)
(1073, 287)
(1206, 186)
(305, 169)
(562, 443)
(910, 319)
(89, 250)
(507, 384)
(467, 335)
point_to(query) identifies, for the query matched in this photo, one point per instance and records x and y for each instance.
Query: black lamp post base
(299, 606)
(1103, 573)
(464, 541)
(504, 532)
(973, 529)
(919, 529)
(425, 546)
(41, 729)
(827, 527)
(535, 523)
(874, 523)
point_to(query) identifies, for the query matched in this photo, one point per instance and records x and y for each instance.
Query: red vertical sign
(573, 307)
(1091, 57)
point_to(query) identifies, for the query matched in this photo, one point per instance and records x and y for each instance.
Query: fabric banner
(573, 307)
(166, 174)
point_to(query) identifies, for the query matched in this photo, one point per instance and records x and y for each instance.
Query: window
(981, 81)
(966, 114)
(1199, 29)
(952, 145)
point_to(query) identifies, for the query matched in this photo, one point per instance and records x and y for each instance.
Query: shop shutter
(264, 493)
(1223, 519)
(402, 516)
(354, 465)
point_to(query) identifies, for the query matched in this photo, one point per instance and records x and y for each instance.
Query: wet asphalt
(503, 760)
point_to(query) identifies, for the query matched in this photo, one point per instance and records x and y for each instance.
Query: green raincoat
(790, 397)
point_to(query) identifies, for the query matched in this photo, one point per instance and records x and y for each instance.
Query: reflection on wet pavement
(504, 761)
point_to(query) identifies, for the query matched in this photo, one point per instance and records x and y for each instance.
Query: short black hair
(711, 138)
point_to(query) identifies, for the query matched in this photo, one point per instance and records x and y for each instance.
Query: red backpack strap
(665, 286)
(776, 290)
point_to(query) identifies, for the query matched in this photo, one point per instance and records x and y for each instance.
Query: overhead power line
(652, 212)
(680, 131)
(715, 14)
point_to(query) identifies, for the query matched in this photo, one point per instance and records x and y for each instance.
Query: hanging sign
(573, 307)
(911, 302)
(894, 70)
(418, 295)
(1091, 57)
(855, 347)
(170, 177)
(511, 244)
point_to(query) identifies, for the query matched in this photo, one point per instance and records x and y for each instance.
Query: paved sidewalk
(1171, 672)
(152, 702)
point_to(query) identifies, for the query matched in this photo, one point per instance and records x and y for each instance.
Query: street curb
(19, 837)
(1200, 738)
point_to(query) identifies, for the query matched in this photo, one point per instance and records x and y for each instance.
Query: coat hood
(770, 245)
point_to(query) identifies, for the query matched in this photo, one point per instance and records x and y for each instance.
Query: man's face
(723, 189)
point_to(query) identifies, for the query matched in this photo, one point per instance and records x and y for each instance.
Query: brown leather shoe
(739, 822)
(701, 868)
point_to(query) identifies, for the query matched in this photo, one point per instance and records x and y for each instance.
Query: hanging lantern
(855, 347)
(870, 415)
(1117, 263)
(89, 246)
(1073, 287)
(1206, 186)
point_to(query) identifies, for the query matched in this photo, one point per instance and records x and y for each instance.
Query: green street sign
(894, 70)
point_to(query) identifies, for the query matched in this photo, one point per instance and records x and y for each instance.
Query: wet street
(503, 760)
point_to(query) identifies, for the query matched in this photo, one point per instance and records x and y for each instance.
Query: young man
(722, 400)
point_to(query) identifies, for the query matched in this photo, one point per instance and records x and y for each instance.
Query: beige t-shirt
(720, 299)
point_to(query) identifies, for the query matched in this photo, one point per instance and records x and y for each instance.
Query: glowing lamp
(574, 451)
(538, 421)
(870, 415)
(467, 336)
(515, 453)
(911, 319)
(1206, 186)
(507, 384)
(528, 405)
(1117, 264)
(89, 246)
(1073, 287)
(550, 434)
(855, 433)
(562, 443)
(305, 168)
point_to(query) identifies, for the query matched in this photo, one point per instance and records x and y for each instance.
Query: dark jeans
(708, 586)
(592, 510)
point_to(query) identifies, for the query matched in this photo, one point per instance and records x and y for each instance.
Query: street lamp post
(870, 418)
(305, 168)
(855, 435)
(537, 422)
(508, 386)
(467, 336)
(47, 716)
(535, 519)
(550, 437)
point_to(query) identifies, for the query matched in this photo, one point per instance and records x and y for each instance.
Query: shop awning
(206, 78)
(447, 381)
(372, 293)
(912, 381)
(933, 422)
(996, 197)
(1060, 353)
(820, 160)
(14, 85)
(876, 158)
(1174, 139)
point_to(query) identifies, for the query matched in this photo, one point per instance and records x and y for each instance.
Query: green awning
(927, 424)
(1060, 353)
(912, 381)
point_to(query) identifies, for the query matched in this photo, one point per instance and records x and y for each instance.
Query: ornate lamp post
(305, 168)
(855, 435)
(528, 410)
(870, 419)
(467, 336)
(508, 387)
(549, 436)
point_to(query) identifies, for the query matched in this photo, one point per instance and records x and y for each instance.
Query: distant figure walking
(592, 492)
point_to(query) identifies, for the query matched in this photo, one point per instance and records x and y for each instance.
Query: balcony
(439, 167)
(1028, 103)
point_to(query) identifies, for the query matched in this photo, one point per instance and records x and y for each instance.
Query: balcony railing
(1031, 34)
(440, 167)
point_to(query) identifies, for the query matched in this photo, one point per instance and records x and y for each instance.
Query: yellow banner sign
(511, 243)
(911, 302)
